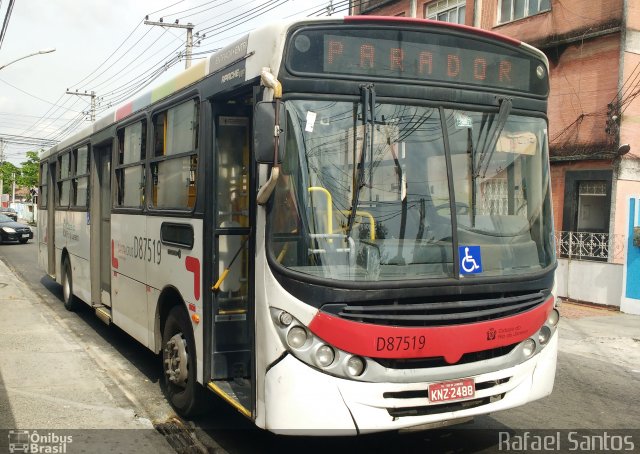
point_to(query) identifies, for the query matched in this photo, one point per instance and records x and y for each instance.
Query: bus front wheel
(179, 364)
(70, 301)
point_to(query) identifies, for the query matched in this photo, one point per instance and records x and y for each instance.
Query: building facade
(593, 47)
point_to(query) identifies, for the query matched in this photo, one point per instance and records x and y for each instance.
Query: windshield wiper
(493, 131)
(493, 135)
(368, 94)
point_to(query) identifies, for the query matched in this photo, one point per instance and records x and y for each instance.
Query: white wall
(592, 282)
(26, 211)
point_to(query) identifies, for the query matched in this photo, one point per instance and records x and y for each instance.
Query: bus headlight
(355, 366)
(528, 348)
(296, 337)
(304, 345)
(554, 317)
(325, 356)
(544, 335)
(285, 318)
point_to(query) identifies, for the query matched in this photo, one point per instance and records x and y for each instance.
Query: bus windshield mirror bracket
(491, 138)
(368, 99)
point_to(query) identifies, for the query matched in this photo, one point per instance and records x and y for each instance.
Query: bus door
(51, 219)
(101, 227)
(232, 357)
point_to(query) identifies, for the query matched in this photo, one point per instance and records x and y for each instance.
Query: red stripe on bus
(193, 264)
(435, 23)
(124, 111)
(114, 260)
(450, 342)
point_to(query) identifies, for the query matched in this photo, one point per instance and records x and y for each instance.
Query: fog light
(297, 337)
(544, 335)
(325, 356)
(285, 318)
(528, 347)
(554, 317)
(355, 366)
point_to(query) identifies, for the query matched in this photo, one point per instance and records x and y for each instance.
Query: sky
(104, 46)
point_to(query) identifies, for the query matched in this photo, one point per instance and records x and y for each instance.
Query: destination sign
(422, 56)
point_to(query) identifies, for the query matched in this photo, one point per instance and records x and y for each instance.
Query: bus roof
(263, 47)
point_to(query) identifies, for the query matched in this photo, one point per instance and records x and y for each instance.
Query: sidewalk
(49, 382)
(600, 333)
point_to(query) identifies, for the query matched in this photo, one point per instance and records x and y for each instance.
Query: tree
(29, 174)
(7, 171)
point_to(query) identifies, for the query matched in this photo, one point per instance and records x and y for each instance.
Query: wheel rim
(176, 360)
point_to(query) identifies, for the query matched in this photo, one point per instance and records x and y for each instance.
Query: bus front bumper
(303, 401)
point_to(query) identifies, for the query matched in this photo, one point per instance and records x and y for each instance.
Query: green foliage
(7, 171)
(26, 175)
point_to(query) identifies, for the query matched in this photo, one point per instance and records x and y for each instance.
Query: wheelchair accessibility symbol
(470, 260)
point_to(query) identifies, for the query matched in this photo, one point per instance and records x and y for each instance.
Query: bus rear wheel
(179, 364)
(70, 301)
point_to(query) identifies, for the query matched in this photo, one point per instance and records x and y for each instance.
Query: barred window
(511, 10)
(446, 10)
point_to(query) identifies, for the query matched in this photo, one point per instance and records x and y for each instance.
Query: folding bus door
(232, 359)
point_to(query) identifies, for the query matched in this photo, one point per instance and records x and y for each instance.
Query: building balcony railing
(603, 247)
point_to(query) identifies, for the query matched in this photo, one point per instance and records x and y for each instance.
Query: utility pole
(13, 191)
(93, 101)
(189, 27)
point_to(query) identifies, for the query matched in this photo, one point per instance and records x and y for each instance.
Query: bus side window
(175, 160)
(44, 185)
(64, 181)
(130, 165)
(80, 167)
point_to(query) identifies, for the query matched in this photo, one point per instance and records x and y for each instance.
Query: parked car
(11, 230)
(13, 214)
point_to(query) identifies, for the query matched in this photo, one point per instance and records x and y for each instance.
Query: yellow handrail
(329, 205)
(361, 213)
(365, 214)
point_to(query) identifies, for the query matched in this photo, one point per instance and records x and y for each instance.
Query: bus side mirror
(264, 128)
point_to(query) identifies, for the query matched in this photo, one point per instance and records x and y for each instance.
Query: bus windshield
(391, 191)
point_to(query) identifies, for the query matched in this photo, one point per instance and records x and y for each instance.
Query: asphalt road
(597, 386)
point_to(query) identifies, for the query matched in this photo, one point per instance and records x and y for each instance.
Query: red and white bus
(339, 226)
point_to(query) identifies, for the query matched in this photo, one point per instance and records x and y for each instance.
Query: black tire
(23, 240)
(183, 391)
(70, 301)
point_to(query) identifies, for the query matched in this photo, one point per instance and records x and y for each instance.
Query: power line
(27, 93)
(166, 7)
(135, 84)
(5, 24)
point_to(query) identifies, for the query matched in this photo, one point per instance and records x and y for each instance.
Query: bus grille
(442, 408)
(439, 361)
(442, 312)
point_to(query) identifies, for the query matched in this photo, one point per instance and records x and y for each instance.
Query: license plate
(452, 390)
(25, 235)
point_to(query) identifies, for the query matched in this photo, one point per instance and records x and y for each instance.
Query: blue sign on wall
(633, 255)
(470, 259)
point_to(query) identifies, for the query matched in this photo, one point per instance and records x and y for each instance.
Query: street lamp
(44, 51)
